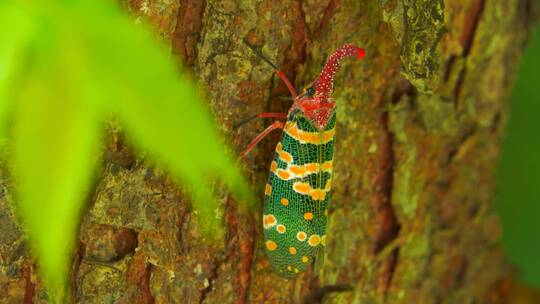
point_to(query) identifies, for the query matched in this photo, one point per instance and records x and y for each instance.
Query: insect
(297, 194)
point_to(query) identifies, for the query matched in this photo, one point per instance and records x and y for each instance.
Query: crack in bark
(531, 15)
(29, 288)
(327, 15)
(77, 261)
(145, 286)
(467, 40)
(461, 140)
(139, 273)
(317, 295)
(187, 31)
(246, 250)
(403, 88)
(389, 226)
(449, 66)
(471, 26)
(297, 49)
(211, 278)
(387, 220)
(459, 85)
(295, 55)
(246, 245)
(387, 272)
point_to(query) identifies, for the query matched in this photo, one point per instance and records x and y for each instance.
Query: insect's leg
(287, 83)
(261, 115)
(272, 115)
(265, 115)
(276, 125)
(279, 73)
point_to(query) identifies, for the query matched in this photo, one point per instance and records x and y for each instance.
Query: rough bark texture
(420, 123)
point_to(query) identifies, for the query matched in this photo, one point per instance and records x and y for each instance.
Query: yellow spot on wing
(302, 188)
(292, 250)
(268, 189)
(284, 202)
(318, 194)
(271, 245)
(283, 174)
(308, 216)
(314, 240)
(273, 166)
(311, 168)
(269, 221)
(316, 138)
(301, 236)
(327, 166)
(286, 157)
(281, 228)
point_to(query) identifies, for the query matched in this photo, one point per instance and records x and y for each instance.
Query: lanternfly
(297, 194)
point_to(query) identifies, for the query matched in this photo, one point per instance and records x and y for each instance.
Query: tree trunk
(420, 122)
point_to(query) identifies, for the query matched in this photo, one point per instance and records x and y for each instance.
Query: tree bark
(420, 122)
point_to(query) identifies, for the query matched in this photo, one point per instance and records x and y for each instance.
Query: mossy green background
(518, 195)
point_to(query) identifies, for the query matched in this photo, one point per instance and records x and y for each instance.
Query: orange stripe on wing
(316, 138)
(306, 189)
(300, 171)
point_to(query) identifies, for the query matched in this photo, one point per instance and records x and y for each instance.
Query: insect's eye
(310, 91)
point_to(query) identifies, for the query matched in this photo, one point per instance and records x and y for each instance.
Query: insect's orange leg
(289, 85)
(279, 73)
(272, 115)
(276, 125)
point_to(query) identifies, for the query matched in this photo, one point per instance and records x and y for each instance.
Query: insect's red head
(316, 101)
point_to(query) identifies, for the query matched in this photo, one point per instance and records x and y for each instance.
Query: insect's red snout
(325, 81)
(361, 53)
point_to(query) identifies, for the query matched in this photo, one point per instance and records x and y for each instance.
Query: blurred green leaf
(14, 42)
(55, 143)
(163, 114)
(86, 59)
(518, 197)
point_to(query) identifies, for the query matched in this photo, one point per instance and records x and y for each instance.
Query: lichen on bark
(424, 26)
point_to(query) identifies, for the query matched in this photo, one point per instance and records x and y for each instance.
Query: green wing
(298, 195)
